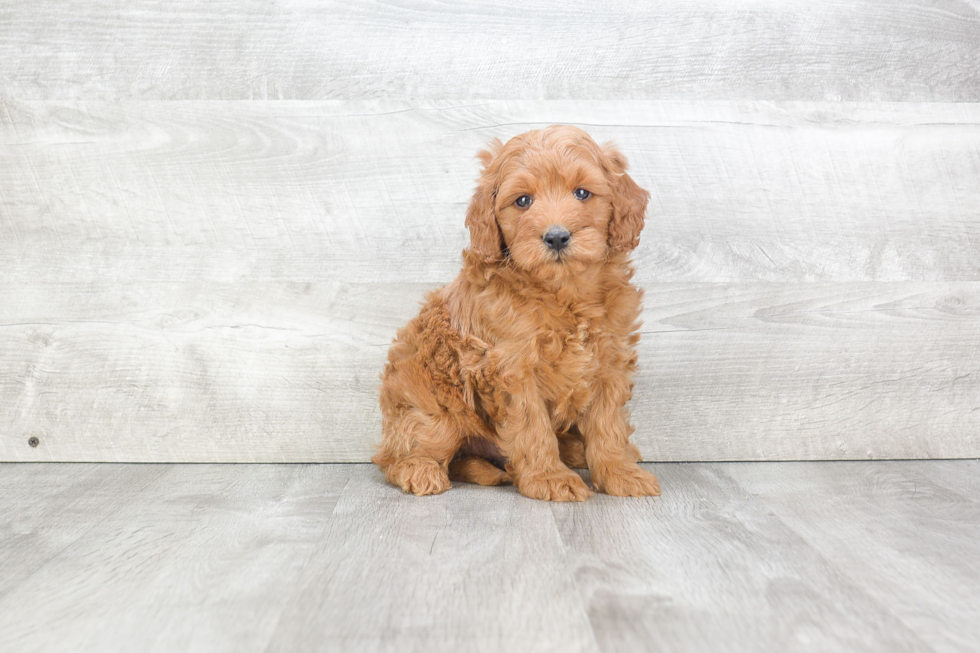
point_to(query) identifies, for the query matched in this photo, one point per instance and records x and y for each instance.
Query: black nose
(557, 238)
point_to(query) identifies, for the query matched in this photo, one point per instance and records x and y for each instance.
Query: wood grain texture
(707, 567)
(218, 281)
(305, 49)
(760, 557)
(469, 570)
(46, 509)
(289, 372)
(376, 191)
(810, 371)
(921, 534)
(191, 558)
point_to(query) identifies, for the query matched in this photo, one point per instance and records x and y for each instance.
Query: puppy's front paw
(419, 477)
(627, 480)
(554, 486)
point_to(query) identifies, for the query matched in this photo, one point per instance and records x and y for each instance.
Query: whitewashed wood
(47, 509)
(957, 478)
(809, 371)
(467, 570)
(309, 49)
(707, 567)
(197, 558)
(765, 557)
(279, 373)
(914, 541)
(376, 191)
(219, 281)
(289, 372)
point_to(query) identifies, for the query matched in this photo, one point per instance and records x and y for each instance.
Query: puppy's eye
(582, 194)
(523, 201)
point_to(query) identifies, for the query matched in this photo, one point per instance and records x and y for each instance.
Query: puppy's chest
(567, 362)
(561, 357)
(569, 350)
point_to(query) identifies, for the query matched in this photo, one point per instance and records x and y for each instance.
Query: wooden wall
(215, 215)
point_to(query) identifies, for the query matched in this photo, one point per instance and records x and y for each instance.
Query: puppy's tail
(472, 469)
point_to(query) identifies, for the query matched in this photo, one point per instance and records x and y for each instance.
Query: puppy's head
(551, 199)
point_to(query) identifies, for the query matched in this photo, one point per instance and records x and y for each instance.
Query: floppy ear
(485, 237)
(629, 201)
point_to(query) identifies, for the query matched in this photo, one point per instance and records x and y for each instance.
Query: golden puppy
(523, 365)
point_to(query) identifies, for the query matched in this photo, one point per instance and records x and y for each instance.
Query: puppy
(523, 364)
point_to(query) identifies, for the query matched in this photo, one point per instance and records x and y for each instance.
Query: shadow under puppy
(522, 366)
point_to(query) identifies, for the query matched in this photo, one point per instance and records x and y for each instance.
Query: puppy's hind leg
(473, 469)
(571, 448)
(416, 449)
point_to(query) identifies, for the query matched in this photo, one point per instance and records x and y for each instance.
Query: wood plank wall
(214, 215)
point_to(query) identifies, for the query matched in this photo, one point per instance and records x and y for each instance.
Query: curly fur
(522, 366)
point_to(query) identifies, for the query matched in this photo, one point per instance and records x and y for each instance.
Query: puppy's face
(553, 205)
(552, 200)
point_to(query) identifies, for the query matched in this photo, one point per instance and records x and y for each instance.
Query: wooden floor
(840, 556)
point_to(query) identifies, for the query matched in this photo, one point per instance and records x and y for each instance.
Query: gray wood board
(308, 49)
(469, 570)
(376, 191)
(707, 567)
(762, 557)
(913, 531)
(196, 558)
(46, 509)
(287, 372)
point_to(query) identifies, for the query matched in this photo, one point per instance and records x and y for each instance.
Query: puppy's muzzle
(557, 238)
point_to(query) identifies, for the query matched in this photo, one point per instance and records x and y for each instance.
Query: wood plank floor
(833, 556)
